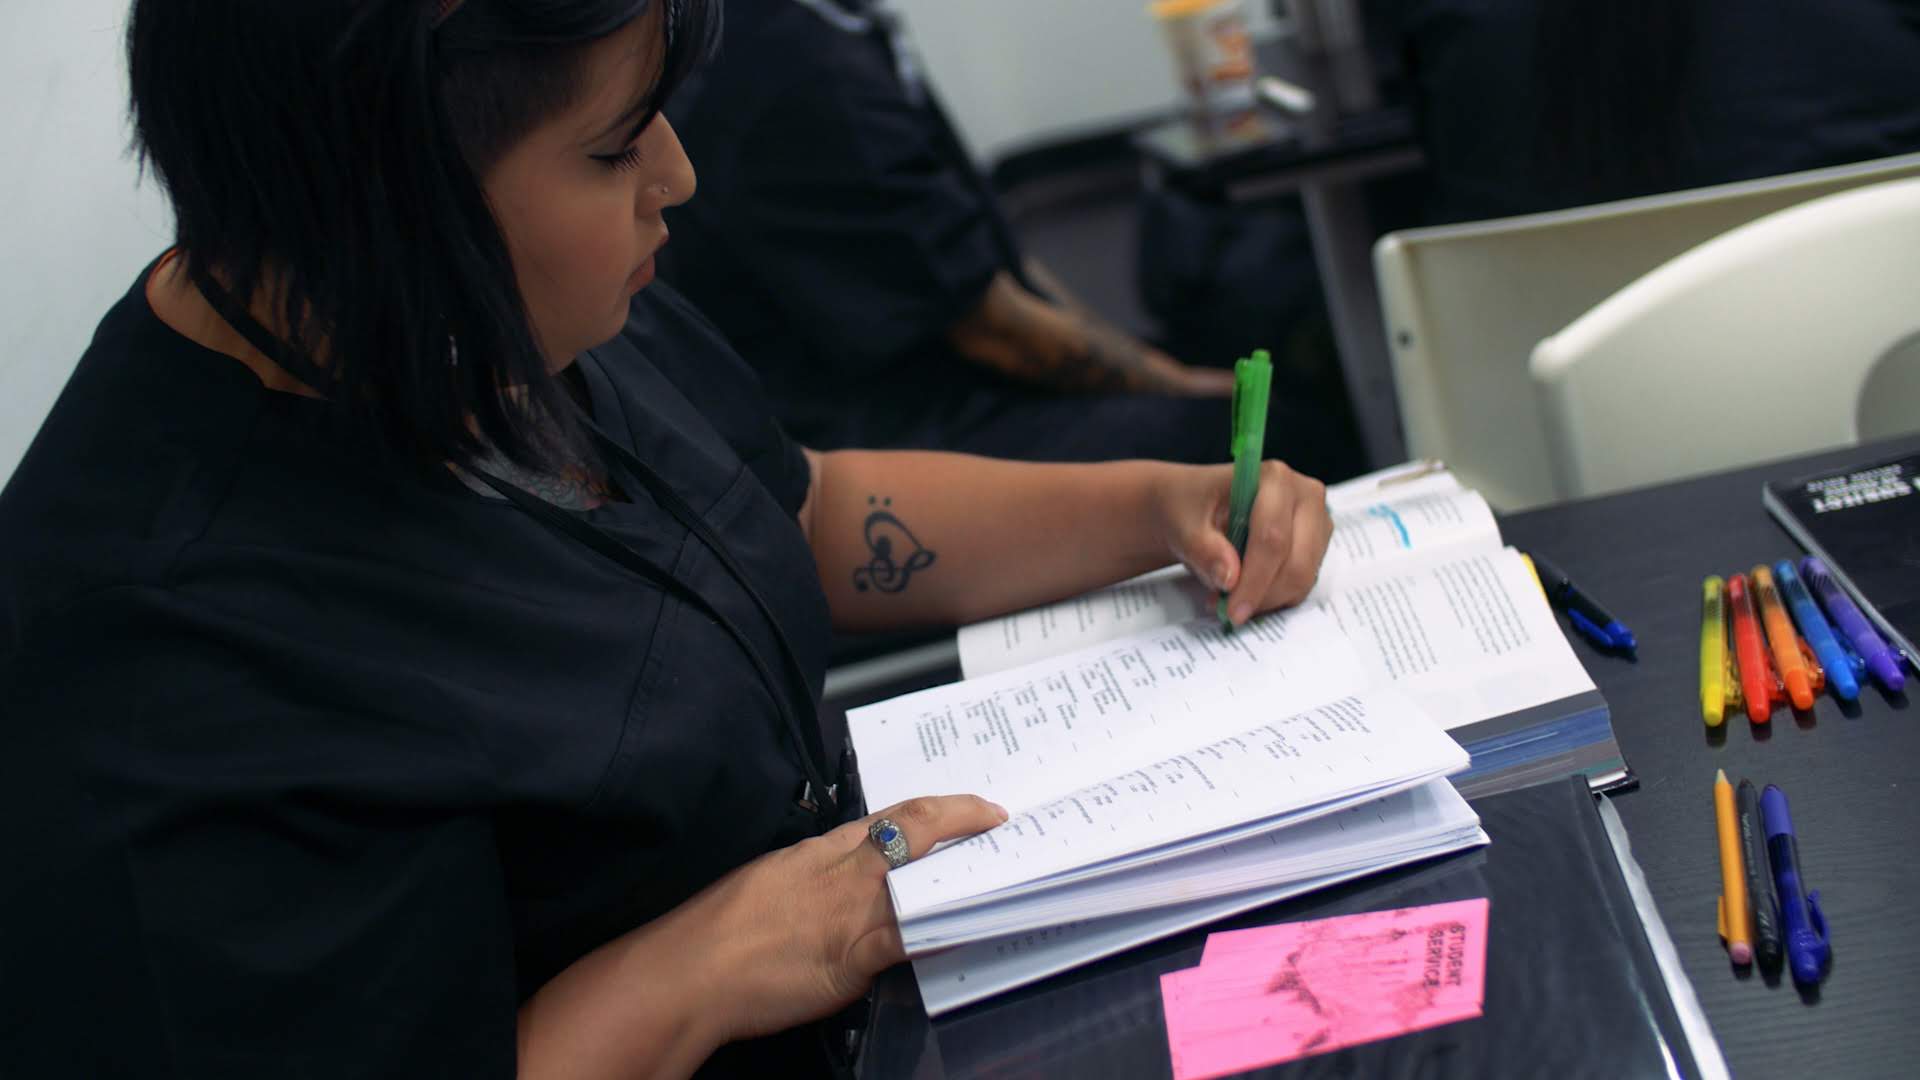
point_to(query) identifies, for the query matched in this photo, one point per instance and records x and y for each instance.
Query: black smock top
(840, 227)
(314, 768)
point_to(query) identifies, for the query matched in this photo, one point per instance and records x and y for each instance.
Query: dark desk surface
(1853, 777)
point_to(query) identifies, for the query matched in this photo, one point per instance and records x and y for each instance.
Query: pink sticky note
(1275, 993)
(1287, 935)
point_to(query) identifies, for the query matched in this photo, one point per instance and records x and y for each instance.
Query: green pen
(1252, 381)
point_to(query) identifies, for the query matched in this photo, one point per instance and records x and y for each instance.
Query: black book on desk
(1572, 988)
(1864, 524)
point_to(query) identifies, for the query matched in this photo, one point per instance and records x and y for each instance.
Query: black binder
(1572, 985)
(1864, 523)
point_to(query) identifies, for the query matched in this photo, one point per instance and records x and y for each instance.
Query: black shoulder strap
(665, 494)
(291, 360)
(809, 750)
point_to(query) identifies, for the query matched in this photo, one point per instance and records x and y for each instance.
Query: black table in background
(1851, 775)
(1361, 109)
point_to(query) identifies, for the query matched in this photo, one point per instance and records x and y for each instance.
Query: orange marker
(1736, 923)
(1788, 658)
(1756, 673)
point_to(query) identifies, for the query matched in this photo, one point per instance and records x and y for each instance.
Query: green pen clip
(1252, 382)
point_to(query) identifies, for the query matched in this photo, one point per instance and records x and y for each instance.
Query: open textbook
(1420, 585)
(1162, 773)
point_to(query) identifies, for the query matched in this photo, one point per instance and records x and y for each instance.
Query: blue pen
(1803, 925)
(1813, 627)
(1587, 616)
(1881, 660)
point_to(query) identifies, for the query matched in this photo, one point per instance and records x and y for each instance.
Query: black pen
(1753, 852)
(1587, 616)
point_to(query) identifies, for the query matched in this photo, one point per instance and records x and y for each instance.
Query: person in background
(1533, 105)
(413, 620)
(845, 244)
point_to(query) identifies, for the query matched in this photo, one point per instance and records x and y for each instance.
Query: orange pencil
(1736, 922)
(1784, 639)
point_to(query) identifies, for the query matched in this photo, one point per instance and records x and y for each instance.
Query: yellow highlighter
(1719, 688)
(1534, 573)
(1736, 921)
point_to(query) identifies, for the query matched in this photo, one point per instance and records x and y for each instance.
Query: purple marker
(1881, 661)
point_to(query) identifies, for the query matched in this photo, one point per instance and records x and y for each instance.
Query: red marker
(1757, 683)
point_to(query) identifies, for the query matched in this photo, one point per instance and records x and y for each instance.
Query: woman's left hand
(1286, 538)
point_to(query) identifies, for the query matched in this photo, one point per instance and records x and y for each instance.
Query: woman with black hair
(411, 624)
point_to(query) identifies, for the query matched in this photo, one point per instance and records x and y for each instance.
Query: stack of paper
(1431, 818)
(1275, 993)
(1313, 844)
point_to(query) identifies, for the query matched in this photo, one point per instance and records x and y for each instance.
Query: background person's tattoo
(896, 554)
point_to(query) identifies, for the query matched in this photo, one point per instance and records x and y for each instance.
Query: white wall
(74, 230)
(1016, 71)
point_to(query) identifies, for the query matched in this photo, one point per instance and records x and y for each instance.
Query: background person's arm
(868, 242)
(1066, 347)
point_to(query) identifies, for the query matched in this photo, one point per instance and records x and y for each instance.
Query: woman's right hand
(800, 933)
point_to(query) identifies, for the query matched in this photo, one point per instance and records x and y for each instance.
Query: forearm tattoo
(1030, 339)
(1107, 359)
(894, 553)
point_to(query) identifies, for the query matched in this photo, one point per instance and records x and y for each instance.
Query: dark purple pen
(1882, 661)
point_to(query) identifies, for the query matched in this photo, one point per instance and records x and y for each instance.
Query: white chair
(1796, 332)
(1464, 306)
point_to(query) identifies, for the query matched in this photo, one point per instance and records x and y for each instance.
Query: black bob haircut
(331, 151)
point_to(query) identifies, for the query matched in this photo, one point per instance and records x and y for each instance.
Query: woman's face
(580, 198)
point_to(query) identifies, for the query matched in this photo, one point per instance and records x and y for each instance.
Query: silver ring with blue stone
(891, 841)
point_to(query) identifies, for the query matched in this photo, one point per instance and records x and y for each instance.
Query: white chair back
(1465, 304)
(1792, 333)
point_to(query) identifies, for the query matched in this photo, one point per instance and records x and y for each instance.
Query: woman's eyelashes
(622, 161)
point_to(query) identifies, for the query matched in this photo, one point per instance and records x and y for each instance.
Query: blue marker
(1813, 626)
(1802, 924)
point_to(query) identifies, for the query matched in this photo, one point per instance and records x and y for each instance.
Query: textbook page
(1372, 526)
(1350, 747)
(1026, 736)
(1468, 635)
